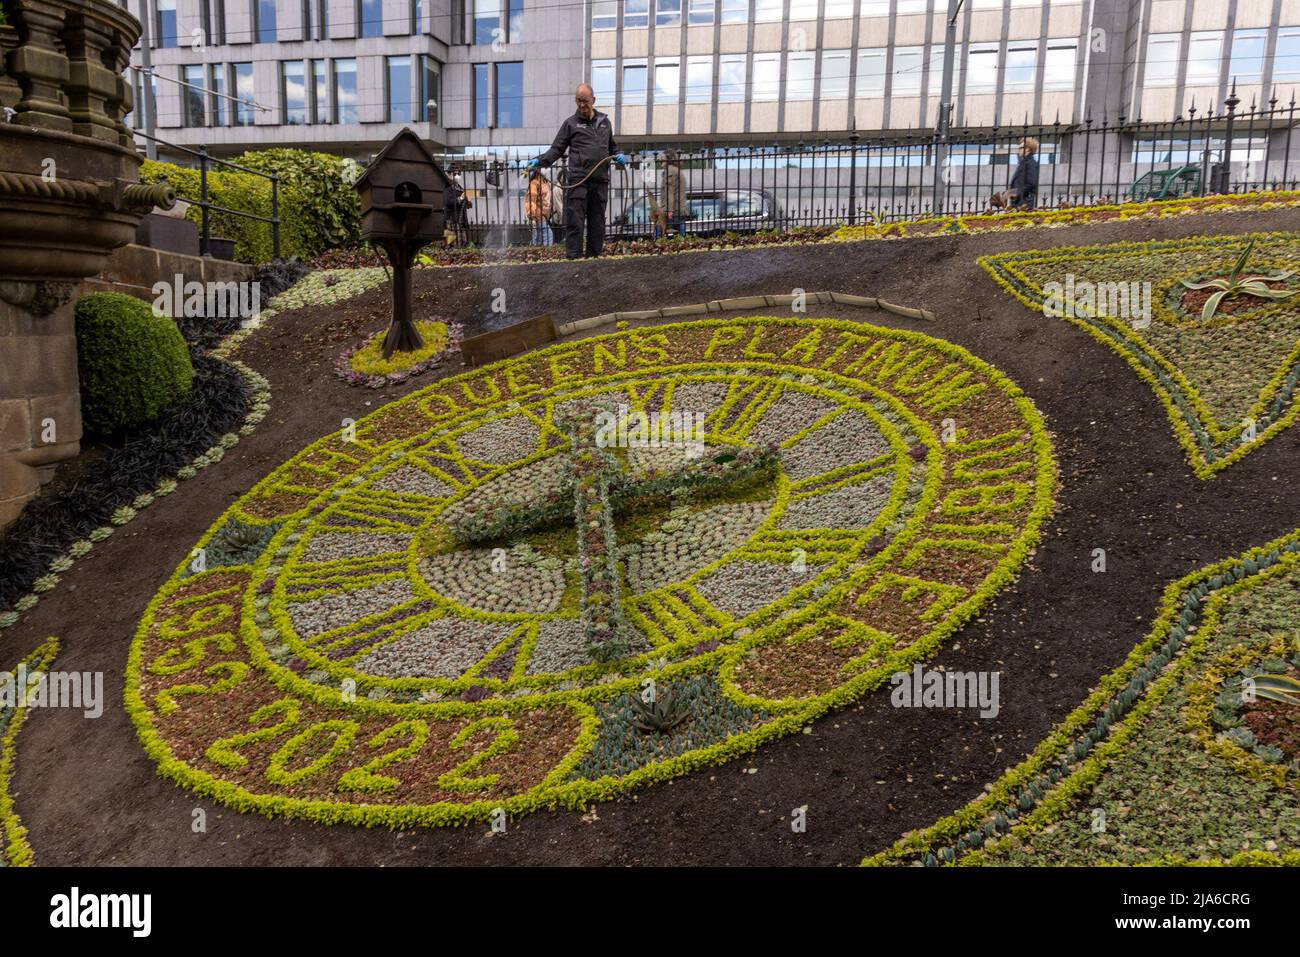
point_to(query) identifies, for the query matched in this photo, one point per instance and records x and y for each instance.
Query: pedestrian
(455, 207)
(587, 139)
(557, 212)
(537, 207)
(674, 195)
(1022, 192)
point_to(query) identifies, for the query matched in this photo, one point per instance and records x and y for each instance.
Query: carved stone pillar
(41, 69)
(91, 85)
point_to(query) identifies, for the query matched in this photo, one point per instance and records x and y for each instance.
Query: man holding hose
(588, 138)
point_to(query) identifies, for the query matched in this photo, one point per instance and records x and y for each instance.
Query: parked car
(709, 213)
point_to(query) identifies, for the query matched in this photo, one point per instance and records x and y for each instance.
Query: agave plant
(1283, 688)
(663, 712)
(1238, 285)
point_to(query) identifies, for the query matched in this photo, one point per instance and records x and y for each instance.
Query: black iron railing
(890, 177)
(207, 207)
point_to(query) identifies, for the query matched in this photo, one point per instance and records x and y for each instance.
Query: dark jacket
(586, 142)
(1025, 182)
(454, 204)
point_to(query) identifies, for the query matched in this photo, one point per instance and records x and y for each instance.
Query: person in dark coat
(1022, 192)
(455, 208)
(587, 138)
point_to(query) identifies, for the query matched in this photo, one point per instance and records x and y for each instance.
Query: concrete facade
(698, 71)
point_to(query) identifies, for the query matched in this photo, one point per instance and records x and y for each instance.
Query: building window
(293, 93)
(803, 9)
(370, 15)
(430, 89)
(799, 76)
(1162, 59)
(634, 82)
(345, 91)
(166, 26)
(982, 68)
(668, 77)
(767, 10)
(510, 96)
(213, 16)
(1286, 58)
(193, 94)
(731, 78)
(1022, 66)
(735, 11)
(935, 86)
(1204, 53)
(835, 74)
(318, 24)
(602, 80)
(482, 105)
(220, 105)
(700, 12)
(320, 94)
(265, 12)
(668, 13)
(515, 21)
(871, 73)
(913, 6)
(907, 71)
(767, 76)
(636, 13)
(487, 22)
(243, 90)
(1058, 68)
(699, 79)
(875, 8)
(1248, 55)
(399, 89)
(417, 17)
(839, 9)
(604, 15)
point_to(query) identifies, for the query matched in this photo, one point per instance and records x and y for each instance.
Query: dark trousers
(584, 212)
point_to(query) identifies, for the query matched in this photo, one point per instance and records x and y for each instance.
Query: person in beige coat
(537, 208)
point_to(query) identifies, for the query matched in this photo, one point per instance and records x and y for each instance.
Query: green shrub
(318, 206)
(233, 190)
(133, 364)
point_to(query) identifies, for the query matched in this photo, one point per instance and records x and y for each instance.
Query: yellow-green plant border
(1211, 586)
(579, 793)
(1122, 340)
(15, 851)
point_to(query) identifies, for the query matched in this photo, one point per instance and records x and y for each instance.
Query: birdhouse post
(402, 211)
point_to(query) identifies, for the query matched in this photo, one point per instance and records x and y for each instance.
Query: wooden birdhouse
(401, 192)
(401, 210)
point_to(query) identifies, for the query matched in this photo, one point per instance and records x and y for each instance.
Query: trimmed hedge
(242, 191)
(318, 206)
(133, 365)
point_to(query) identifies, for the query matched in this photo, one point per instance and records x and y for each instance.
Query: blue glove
(533, 164)
(620, 159)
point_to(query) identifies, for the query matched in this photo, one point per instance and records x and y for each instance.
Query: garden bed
(867, 772)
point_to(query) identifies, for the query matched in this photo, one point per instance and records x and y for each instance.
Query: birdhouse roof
(405, 146)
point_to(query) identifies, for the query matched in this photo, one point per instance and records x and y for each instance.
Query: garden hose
(590, 172)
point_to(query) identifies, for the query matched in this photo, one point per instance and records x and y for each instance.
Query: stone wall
(40, 402)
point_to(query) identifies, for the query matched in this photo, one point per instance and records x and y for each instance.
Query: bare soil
(89, 795)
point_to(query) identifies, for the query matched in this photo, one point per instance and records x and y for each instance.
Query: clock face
(404, 622)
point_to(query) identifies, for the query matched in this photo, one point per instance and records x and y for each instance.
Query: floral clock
(474, 603)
